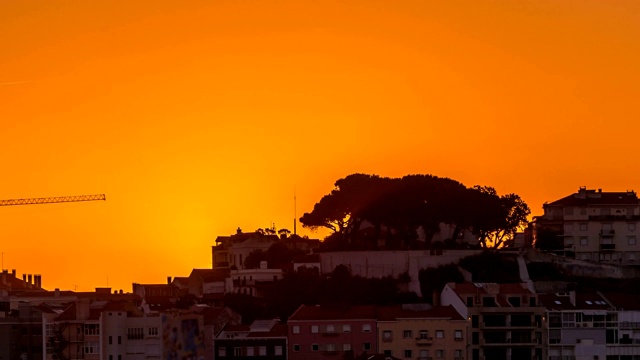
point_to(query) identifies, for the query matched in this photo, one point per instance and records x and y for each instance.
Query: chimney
(435, 298)
(36, 281)
(572, 297)
(30, 279)
(4, 278)
(13, 272)
(169, 280)
(121, 292)
(56, 292)
(24, 278)
(239, 231)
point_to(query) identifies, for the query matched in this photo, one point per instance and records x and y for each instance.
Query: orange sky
(196, 117)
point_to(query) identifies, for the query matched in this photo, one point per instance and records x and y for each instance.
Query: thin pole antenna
(295, 215)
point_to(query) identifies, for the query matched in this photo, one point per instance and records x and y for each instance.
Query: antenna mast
(295, 215)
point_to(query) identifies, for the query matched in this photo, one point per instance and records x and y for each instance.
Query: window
(439, 334)
(92, 329)
(250, 351)
(346, 328)
(631, 226)
(568, 241)
(135, 333)
(119, 340)
(439, 353)
(457, 334)
(110, 357)
(153, 331)
(584, 226)
(457, 353)
(262, 350)
(331, 347)
(366, 346)
(568, 211)
(424, 353)
(92, 347)
(424, 334)
(237, 351)
(406, 334)
(632, 257)
(110, 340)
(330, 329)
(278, 350)
(346, 347)
(296, 347)
(469, 300)
(407, 353)
(386, 335)
(584, 241)
(387, 353)
(314, 329)
(296, 329)
(366, 328)
(583, 211)
(314, 347)
(631, 240)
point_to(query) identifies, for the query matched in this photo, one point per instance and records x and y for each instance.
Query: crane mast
(52, 200)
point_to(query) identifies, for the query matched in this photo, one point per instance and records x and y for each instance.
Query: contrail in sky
(15, 82)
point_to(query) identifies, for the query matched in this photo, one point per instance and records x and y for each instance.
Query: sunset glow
(196, 118)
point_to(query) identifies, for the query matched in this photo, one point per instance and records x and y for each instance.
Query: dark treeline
(368, 212)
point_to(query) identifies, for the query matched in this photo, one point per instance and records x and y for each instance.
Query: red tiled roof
(211, 275)
(390, 313)
(334, 313)
(583, 301)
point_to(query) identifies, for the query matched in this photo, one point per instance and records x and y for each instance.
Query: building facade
(505, 320)
(422, 332)
(596, 226)
(321, 332)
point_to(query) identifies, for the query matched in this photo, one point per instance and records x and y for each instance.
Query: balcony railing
(629, 325)
(609, 247)
(607, 233)
(424, 341)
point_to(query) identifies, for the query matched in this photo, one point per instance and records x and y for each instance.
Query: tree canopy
(369, 212)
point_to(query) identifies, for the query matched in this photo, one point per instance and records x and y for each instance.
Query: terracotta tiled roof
(211, 275)
(390, 313)
(334, 313)
(583, 301)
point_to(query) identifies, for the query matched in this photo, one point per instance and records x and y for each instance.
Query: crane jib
(52, 200)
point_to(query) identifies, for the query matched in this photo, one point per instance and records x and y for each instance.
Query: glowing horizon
(195, 119)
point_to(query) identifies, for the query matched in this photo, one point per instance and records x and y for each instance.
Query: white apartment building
(597, 226)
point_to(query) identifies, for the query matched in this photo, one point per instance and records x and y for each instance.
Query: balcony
(607, 233)
(629, 325)
(424, 341)
(607, 247)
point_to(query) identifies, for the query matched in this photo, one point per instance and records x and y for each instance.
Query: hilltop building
(595, 225)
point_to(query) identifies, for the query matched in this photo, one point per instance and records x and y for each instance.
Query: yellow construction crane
(53, 200)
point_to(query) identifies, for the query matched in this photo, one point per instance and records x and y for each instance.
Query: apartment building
(506, 320)
(596, 226)
(324, 332)
(263, 338)
(587, 325)
(419, 331)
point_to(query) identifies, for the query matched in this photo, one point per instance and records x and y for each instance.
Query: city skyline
(195, 119)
